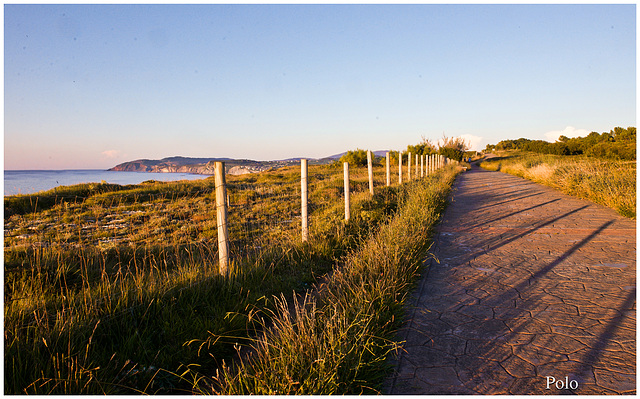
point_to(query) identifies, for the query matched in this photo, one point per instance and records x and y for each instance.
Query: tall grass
(337, 342)
(606, 182)
(148, 309)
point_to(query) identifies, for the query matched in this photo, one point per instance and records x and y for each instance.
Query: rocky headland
(204, 166)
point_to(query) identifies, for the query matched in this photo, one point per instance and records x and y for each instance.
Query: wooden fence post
(370, 166)
(426, 165)
(416, 166)
(304, 196)
(347, 210)
(408, 166)
(399, 167)
(388, 169)
(221, 218)
(422, 165)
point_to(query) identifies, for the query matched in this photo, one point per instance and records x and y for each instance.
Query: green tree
(425, 147)
(453, 147)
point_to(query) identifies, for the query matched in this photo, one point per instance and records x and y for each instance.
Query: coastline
(18, 182)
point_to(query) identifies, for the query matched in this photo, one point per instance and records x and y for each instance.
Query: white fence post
(304, 197)
(388, 169)
(370, 166)
(399, 167)
(347, 210)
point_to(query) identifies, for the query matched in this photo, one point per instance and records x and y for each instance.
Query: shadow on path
(543, 288)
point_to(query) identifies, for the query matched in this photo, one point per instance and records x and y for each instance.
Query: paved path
(530, 284)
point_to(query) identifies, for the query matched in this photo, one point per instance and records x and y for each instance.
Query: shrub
(615, 150)
(355, 158)
(619, 143)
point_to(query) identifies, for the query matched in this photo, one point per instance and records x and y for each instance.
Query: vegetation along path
(531, 292)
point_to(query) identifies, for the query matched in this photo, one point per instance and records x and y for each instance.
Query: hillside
(198, 165)
(204, 166)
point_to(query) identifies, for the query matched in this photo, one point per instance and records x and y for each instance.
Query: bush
(451, 153)
(355, 158)
(616, 150)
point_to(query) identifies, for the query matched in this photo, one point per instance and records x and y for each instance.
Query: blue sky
(94, 86)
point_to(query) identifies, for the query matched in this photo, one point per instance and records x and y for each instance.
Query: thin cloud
(568, 131)
(111, 154)
(473, 141)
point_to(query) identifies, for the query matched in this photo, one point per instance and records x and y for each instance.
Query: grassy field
(338, 341)
(115, 289)
(606, 182)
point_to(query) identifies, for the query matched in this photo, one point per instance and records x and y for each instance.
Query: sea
(33, 181)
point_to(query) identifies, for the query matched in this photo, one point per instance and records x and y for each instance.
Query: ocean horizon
(33, 181)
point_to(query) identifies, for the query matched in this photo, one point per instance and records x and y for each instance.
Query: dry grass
(609, 183)
(117, 290)
(339, 343)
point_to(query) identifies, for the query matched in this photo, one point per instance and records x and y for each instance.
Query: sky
(92, 86)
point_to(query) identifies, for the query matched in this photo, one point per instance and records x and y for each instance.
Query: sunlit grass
(338, 342)
(117, 290)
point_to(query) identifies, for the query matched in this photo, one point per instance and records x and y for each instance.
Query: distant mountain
(379, 153)
(204, 166)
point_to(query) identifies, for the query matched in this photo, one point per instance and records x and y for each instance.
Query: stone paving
(531, 289)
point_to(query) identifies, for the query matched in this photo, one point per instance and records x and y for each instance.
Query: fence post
(399, 167)
(370, 166)
(408, 166)
(388, 169)
(221, 218)
(347, 209)
(426, 165)
(416, 166)
(303, 194)
(422, 165)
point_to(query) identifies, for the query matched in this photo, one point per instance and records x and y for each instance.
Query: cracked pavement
(532, 289)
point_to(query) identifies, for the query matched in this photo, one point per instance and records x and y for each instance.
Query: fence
(177, 223)
(424, 165)
(235, 217)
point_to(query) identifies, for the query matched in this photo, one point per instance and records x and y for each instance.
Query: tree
(453, 147)
(619, 143)
(425, 147)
